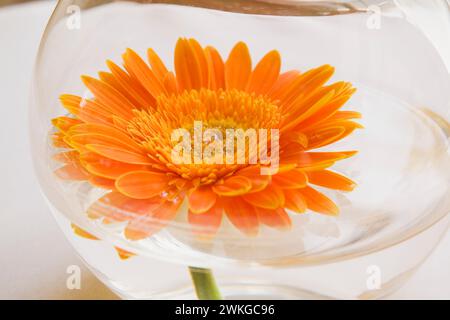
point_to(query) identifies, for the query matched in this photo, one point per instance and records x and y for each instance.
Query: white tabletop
(34, 254)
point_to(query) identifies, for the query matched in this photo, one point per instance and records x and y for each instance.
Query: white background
(34, 254)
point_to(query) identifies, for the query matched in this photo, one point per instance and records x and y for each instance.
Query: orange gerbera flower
(120, 139)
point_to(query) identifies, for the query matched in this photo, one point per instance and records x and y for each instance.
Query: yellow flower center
(219, 110)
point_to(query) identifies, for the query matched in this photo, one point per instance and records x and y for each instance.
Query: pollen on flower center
(214, 109)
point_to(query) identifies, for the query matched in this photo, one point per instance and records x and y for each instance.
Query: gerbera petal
(271, 197)
(302, 109)
(298, 138)
(277, 218)
(71, 172)
(233, 186)
(208, 222)
(312, 159)
(102, 139)
(305, 83)
(105, 167)
(318, 202)
(142, 184)
(58, 140)
(65, 123)
(109, 79)
(82, 233)
(146, 226)
(216, 68)
(109, 96)
(283, 82)
(330, 132)
(320, 114)
(119, 154)
(141, 71)
(105, 130)
(156, 63)
(117, 207)
(202, 199)
(265, 73)
(90, 114)
(322, 137)
(87, 110)
(101, 182)
(170, 83)
(201, 62)
(67, 157)
(345, 115)
(253, 173)
(71, 103)
(294, 200)
(187, 66)
(123, 254)
(238, 67)
(315, 78)
(140, 96)
(332, 180)
(242, 215)
(120, 123)
(292, 179)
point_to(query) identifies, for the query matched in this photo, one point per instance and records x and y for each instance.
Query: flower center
(217, 112)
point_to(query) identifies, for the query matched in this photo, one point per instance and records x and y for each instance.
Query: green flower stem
(205, 284)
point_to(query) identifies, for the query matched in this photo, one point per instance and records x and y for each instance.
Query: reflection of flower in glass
(121, 139)
(123, 254)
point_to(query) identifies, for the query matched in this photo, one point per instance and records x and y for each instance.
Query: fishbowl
(246, 149)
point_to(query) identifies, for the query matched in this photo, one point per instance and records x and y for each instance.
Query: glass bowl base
(241, 291)
(256, 291)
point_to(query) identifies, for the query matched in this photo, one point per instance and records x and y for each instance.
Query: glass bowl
(393, 195)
